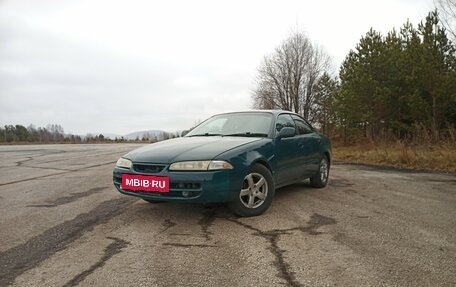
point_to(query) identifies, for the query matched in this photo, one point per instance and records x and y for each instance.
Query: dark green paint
(290, 158)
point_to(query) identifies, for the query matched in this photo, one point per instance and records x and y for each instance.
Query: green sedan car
(240, 158)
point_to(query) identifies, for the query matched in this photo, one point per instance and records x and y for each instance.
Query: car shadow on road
(220, 210)
(176, 209)
(299, 187)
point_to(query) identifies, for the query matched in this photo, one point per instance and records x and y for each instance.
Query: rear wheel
(256, 193)
(320, 179)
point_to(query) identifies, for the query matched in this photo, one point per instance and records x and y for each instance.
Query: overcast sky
(123, 66)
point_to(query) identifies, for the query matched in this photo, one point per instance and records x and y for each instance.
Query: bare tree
(318, 65)
(447, 14)
(287, 78)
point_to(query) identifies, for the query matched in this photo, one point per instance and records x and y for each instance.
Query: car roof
(274, 112)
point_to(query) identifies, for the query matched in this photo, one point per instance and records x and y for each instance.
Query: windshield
(235, 124)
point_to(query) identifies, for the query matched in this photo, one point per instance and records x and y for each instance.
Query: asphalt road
(62, 223)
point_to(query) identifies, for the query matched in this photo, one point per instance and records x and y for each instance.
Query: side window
(284, 120)
(301, 126)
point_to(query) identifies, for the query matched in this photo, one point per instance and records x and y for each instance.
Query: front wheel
(320, 179)
(256, 192)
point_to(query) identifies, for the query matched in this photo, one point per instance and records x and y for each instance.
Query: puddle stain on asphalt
(17, 260)
(70, 198)
(111, 250)
(316, 221)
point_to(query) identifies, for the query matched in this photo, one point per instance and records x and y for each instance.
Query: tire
(320, 179)
(256, 193)
(153, 200)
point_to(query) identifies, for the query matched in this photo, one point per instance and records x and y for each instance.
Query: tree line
(395, 86)
(54, 133)
(50, 133)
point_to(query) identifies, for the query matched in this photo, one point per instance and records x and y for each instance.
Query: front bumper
(196, 187)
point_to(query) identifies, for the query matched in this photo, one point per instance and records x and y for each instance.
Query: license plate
(146, 183)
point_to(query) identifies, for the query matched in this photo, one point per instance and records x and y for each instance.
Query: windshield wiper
(247, 134)
(205, 135)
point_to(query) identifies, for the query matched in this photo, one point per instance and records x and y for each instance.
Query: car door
(287, 153)
(308, 146)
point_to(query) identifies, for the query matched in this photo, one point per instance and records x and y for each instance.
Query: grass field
(440, 157)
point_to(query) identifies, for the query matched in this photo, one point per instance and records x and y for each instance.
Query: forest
(398, 86)
(392, 102)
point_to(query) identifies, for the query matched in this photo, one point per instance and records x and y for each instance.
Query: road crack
(273, 237)
(17, 260)
(167, 224)
(64, 171)
(70, 198)
(188, 245)
(206, 222)
(21, 162)
(111, 250)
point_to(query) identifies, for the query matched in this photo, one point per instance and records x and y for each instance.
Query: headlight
(123, 163)
(219, 164)
(200, 165)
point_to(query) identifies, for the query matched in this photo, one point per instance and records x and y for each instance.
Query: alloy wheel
(254, 190)
(324, 170)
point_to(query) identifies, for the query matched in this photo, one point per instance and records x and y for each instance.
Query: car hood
(187, 148)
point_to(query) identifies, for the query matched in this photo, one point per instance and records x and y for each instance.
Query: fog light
(185, 193)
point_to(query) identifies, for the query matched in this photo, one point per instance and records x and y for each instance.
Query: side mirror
(184, 133)
(286, 132)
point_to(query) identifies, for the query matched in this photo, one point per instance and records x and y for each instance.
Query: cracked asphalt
(63, 223)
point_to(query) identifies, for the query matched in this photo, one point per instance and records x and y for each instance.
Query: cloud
(120, 66)
(46, 78)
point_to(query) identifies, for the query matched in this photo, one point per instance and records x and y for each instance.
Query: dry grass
(419, 157)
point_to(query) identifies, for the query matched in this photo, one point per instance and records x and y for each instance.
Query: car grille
(148, 168)
(186, 186)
